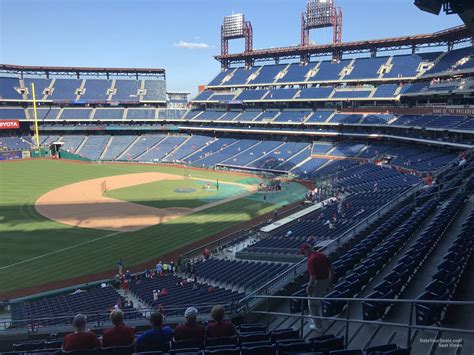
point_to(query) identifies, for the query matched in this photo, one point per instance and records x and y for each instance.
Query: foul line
(59, 250)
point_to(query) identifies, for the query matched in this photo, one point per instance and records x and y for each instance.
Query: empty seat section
(204, 95)
(108, 114)
(12, 114)
(141, 114)
(93, 147)
(281, 94)
(143, 144)
(44, 113)
(293, 116)
(71, 143)
(164, 147)
(245, 157)
(240, 76)
(9, 89)
(117, 146)
(40, 86)
(366, 68)
(222, 97)
(251, 95)
(126, 90)
(386, 90)
(75, 114)
(403, 66)
(279, 155)
(96, 90)
(211, 148)
(65, 89)
(209, 115)
(314, 93)
(319, 116)
(226, 152)
(329, 71)
(191, 145)
(267, 74)
(296, 73)
(218, 79)
(155, 90)
(356, 93)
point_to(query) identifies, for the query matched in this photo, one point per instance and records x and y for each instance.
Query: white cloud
(192, 45)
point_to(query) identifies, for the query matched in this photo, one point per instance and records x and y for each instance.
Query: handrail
(347, 320)
(65, 318)
(365, 299)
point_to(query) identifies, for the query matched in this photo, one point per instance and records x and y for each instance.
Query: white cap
(190, 312)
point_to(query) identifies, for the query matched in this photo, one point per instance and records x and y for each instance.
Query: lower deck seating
(250, 339)
(182, 294)
(87, 301)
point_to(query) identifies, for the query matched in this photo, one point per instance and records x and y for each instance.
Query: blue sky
(148, 33)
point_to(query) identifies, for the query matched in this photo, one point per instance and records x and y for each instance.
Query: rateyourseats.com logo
(444, 342)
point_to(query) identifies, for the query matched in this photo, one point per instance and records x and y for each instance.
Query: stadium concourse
(383, 145)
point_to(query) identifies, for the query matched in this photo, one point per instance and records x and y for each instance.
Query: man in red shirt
(190, 330)
(219, 328)
(80, 339)
(120, 334)
(320, 280)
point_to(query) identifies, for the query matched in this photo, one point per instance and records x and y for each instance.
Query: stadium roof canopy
(79, 71)
(447, 37)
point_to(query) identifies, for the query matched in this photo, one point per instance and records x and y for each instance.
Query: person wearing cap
(219, 328)
(190, 330)
(119, 334)
(156, 338)
(81, 339)
(320, 280)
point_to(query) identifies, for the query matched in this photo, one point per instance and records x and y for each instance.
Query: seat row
(359, 278)
(447, 277)
(408, 265)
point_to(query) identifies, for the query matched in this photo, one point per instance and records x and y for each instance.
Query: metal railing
(409, 325)
(99, 318)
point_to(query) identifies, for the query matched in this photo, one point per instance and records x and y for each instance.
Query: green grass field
(35, 251)
(162, 194)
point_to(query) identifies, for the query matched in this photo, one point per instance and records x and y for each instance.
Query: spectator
(125, 285)
(120, 264)
(81, 339)
(320, 280)
(119, 334)
(219, 328)
(190, 330)
(159, 267)
(155, 295)
(157, 338)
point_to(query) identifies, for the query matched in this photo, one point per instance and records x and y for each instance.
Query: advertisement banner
(9, 124)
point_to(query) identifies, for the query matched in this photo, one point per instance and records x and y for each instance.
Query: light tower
(321, 14)
(235, 27)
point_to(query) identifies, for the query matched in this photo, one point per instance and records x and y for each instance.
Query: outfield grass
(34, 250)
(162, 194)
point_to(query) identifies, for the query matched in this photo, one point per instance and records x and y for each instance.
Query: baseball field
(65, 222)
